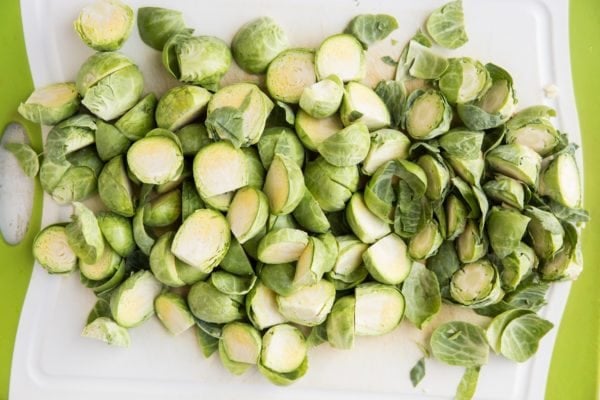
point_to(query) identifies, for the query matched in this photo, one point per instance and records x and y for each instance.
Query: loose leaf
(422, 293)
(460, 343)
(446, 25)
(26, 157)
(417, 372)
(468, 384)
(521, 337)
(370, 28)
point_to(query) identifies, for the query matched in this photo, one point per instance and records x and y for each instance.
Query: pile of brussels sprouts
(311, 209)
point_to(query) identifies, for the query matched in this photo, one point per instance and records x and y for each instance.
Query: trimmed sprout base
(309, 206)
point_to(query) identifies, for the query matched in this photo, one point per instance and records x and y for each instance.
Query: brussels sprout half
(290, 73)
(156, 25)
(257, 43)
(322, 99)
(362, 104)
(52, 251)
(379, 309)
(283, 356)
(133, 302)
(341, 55)
(51, 104)
(172, 310)
(104, 25)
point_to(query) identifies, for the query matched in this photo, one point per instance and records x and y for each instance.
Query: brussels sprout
(133, 302)
(190, 199)
(371, 28)
(162, 262)
(181, 105)
(231, 284)
(282, 245)
(309, 214)
(110, 142)
(561, 182)
(51, 104)
(115, 189)
(193, 137)
(281, 221)
(379, 309)
(283, 356)
(143, 154)
(256, 171)
(157, 25)
(387, 260)
(312, 264)
(322, 99)
(456, 217)
(545, 231)
(312, 131)
(340, 323)
(77, 184)
(462, 150)
(69, 136)
(282, 141)
(199, 60)
(506, 190)
(348, 270)
(471, 244)
(110, 85)
(173, 312)
(464, 81)
(220, 202)
(247, 213)
(331, 250)
(531, 127)
(284, 185)
(105, 267)
(426, 242)
(211, 305)
(516, 161)
(101, 288)
(341, 55)
(476, 284)
(52, 251)
(104, 25)
(380, 193)
(142, 238)
(517, 265)
(367, 226)
(446, 25)
(289, 73)
(188, 274)
(495, 106)
(427, 114)
(209, 164)
(362, 104)
(257, 43)
(84, 235)
(208, 228)
(566, 263)
(278, 277)
(238, 113)
(139, 120)
(505, 228)
(331, 186)
(347, 147)
(308, 305)
(236, 261)
(163, 210)
(117, 231)
(438, 176)
(108, 331)
(386, 145)
(239, 347)
(261, 307)
(460, 343)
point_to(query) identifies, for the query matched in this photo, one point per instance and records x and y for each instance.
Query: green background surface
(574, 373)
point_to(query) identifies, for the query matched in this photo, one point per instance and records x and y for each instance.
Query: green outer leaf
(468, 384)
(156, 25)
(446, 25)
(417, 372)
(393, 94)
(26, 156)
(100, 309)
(444, 264)
(520, 338)
(370, 28)
(84, 235)
(143, 240)
(495, 329)
(208, 344)
(422, 293)
(460, 343)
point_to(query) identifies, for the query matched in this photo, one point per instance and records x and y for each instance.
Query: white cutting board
(51, 361)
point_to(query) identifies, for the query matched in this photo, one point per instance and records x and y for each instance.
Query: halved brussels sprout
(239, 347)
(283, 357)
(312, 131)
(139, 120)
(231, 284)
(362, 104)
(236, 261)
(209, 304)
(566, 263)
(446, 25)
(142, 238)
(438, 176)
(105, 267)
(181, 105)
(379, 309)
(257, 43)
(545, 231)
(199, 60)
(309, 214)
(278, 277)
(51, 249)
(505, 190)
(261, 307)
(163, 263)
(517, 265)
(284, 185)
(248, 213)
(84, 235)
(77, 184)
(289, 73)
(163, 210)
(133, 302)
(308, 305)
(426, 242)
(193, 137)
(341, 55)
(476, 284)
(322, 99)
(347, 147)
(427, 114)
(238, 113)
(157, 25)
(311, 265)
(110, 142)
(256, 171)
(472, 243)
(505, 228)
(456, 217)
(340, 323)
(210, 165)
(104, 25)
(51, 104)
(172, 310)
(115, 189)
(516, 161)
(143, 155)
(387, 260)
(282, 141)
(108, 331)
(117, 231)
(370, 28)
(367, 226)
(386, 145)
(70, 136)
(331, 186)
(561, 182)
(465, 80)
(531, 127)
(282, 245)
